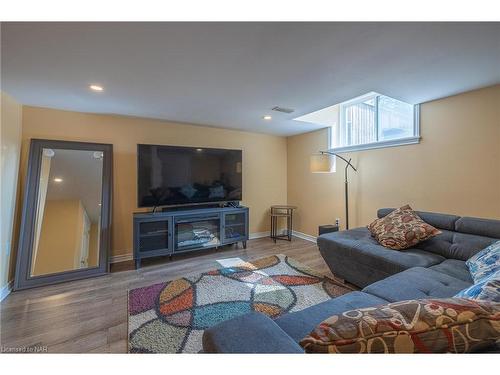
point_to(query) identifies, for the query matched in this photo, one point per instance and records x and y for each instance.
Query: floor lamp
(323, 163)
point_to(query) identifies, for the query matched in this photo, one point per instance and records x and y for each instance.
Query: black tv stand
(186, 229)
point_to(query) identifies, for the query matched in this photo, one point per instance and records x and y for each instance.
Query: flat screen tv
(172, 175)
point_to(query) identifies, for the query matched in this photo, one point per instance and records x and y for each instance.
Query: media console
(179, 231)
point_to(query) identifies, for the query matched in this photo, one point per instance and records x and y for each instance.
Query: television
(173, 175)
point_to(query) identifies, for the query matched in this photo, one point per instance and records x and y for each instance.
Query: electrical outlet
(337, 221)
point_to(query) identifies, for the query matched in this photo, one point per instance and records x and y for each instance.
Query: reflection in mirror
(68, 213)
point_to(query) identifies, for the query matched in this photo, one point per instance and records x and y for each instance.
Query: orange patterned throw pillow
(401, 229)
(453, 325)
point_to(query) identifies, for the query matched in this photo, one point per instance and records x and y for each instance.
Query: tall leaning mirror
(66, 223)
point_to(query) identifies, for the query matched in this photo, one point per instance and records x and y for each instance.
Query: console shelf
(184, 230)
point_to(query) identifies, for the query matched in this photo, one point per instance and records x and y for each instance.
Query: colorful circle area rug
(170, 317)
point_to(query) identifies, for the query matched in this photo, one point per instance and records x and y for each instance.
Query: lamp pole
(346, 183)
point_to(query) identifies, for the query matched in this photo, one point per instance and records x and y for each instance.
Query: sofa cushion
(454, 245)
(478, 226)
(249, 333)
(487, 289)
(455, 268)
(417, 283)
(401, 229)
(416, 326)
(485, 262)
(299, 324)
(465, 245)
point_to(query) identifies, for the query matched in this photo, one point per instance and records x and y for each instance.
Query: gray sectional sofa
(433, 269)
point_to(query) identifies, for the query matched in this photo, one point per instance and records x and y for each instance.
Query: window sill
(374, 145)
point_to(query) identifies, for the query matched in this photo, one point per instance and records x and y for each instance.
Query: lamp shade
(321, 163)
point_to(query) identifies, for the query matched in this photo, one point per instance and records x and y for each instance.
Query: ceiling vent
(282, 109)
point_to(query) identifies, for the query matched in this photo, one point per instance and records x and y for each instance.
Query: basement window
(375, 121)
(367, 122)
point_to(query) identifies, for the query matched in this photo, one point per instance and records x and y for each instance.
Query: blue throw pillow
(484, 263)
(487, 289)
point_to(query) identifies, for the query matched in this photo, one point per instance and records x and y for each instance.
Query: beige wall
(264, 158)
(455, 169)
(60, 237)
(10, 139)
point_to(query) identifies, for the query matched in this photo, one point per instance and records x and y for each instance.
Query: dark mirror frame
(23, 279)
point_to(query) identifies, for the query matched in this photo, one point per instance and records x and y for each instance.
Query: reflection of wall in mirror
(42, 196)
(94, 245)
(81, 259)
(61, 238)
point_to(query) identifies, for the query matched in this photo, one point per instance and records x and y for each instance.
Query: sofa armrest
(249, 333)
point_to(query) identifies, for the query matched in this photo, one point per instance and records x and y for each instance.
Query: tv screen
(172, 175)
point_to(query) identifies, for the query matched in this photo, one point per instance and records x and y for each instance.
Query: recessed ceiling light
(199, 149)
(267, 117)
(96, 88)
(58, 179)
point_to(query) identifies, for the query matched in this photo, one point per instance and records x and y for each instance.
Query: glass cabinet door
(235, 226)
(153, 235)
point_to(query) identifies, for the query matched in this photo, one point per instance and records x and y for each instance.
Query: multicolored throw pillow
(487, 289)
(453, 325)
(401, 229)
(484, 263)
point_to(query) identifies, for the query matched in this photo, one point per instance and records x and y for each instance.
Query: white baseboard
(5, 291)
(295, 233)
(256, 235)
(304, 236)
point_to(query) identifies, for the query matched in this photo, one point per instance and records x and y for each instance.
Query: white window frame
(330, 147)
(378, 144)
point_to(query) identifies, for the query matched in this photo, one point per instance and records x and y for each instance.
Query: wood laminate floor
(91, 315)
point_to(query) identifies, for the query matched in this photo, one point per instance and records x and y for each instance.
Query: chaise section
(355, 256)
(250, 333)
(417, 283)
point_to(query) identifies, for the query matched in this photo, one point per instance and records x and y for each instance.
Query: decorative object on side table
(283, 211)
(323, 163)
